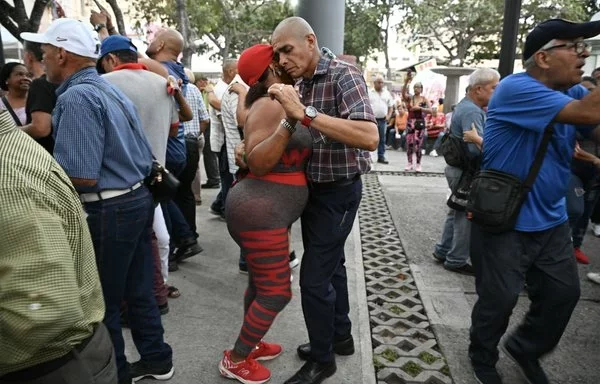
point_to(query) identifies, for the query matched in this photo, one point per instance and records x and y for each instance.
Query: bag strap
(539, 157)
(10, 110)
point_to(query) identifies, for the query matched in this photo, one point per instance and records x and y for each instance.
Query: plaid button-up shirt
(337, 89)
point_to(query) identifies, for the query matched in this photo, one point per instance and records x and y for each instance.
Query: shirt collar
(76, 78)
(135, 66)
(323, 65)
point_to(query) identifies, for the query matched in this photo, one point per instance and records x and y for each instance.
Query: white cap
(71, 35)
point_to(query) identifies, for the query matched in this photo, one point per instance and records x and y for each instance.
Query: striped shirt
(337, 89)
(229, 104)
(93, 135)
(50, 294)
(196, 103)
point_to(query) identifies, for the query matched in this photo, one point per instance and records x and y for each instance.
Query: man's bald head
(296, 47)
(293, 27)
(167, 45)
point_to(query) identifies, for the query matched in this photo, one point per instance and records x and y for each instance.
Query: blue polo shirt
(93, 137)
(518, 113)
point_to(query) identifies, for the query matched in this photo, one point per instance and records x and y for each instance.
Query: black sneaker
(244, 269)
(382, 160)
(487, 376)
(126, 381)
(210, 185)
(466, 269)
(187, 251)
(163, 309)
(173, 266)
(157, 370)
(294, 262)
(438, 258)
(531, 369)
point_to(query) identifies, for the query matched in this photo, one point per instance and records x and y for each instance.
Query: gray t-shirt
(465, 115)
(156, 109)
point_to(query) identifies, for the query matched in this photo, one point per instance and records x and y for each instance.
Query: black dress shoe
(344, 347)
(382, 160)
(313, 373)
(210, 185)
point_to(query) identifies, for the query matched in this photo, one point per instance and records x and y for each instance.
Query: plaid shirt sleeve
(353, 96)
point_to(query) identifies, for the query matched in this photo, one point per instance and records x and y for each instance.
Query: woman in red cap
(261, 207)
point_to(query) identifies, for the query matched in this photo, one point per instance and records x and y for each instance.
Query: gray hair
(483, 76)
(530, 62)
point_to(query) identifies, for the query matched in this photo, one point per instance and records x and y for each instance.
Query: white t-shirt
(156, 109)
(216, 125)
(380, 102)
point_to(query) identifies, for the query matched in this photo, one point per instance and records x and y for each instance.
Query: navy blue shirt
(519, 112)
(93, 136)
(176, 150)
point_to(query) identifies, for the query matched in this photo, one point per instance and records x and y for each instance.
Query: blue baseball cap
(112, 44)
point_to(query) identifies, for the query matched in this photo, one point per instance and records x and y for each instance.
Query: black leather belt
(335, 184)
(42, 369)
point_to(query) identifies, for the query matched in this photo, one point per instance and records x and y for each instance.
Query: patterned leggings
(414, 142)
(259, 213)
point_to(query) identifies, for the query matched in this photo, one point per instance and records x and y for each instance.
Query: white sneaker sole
(230, 375)
(267, 358)
(294, 263)
(166, 376)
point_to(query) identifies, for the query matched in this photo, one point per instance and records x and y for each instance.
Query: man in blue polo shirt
(100, 144)
(538, 251)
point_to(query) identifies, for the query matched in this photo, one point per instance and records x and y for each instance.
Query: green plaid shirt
(50, 294)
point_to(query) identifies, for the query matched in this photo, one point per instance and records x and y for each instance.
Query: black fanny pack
(496, 197)
(454, 151)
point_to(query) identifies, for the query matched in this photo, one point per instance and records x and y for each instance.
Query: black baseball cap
(557, 29)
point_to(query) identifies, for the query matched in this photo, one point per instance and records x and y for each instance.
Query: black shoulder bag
(496, 197)
(454, 151)
(11, 111)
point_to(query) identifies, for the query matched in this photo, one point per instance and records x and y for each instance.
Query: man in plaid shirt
(334, 105)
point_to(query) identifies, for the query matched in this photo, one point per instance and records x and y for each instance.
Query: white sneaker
(594, 276)
(422, 151)
(294, 262)
(596, 229)
(433, 153)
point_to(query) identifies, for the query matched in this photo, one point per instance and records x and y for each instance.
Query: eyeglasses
(580, 47)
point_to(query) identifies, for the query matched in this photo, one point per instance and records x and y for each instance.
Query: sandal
(173, 292)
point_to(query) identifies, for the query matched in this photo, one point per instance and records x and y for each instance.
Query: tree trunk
(186, 32)
(118, 16)
(386, 34)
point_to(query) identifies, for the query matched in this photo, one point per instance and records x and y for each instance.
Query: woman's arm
(265, 137)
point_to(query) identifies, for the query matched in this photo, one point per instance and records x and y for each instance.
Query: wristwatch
(98, 27)
(286, 124)
(310, 113)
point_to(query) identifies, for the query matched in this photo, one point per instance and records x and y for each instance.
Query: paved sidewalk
(418, 209)
(206, 319)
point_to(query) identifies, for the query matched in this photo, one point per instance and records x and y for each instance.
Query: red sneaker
(581, 257)
(265, 351)
(248, 371)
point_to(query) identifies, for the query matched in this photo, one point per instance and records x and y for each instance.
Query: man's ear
(311, 40)
(542, 59)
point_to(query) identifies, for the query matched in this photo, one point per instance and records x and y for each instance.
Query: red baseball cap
(253, 62)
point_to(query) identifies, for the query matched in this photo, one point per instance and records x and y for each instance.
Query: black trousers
(326, 223)
(503, 263)
(185, 200)
(211, 162)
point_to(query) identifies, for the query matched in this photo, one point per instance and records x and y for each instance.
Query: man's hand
(240, 155)
(98, 18)
(471, 136)
(173, 85)
(237, 88)
(582, 155)
(289, 100)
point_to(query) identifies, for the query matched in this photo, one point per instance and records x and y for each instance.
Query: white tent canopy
(13, 49)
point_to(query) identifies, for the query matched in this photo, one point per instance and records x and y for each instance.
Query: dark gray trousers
(211, 162)
(95, 364)
(503, 263)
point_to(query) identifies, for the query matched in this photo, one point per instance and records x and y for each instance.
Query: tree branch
(118, 16)
(36, 15)
(7, 10)
(10, 26)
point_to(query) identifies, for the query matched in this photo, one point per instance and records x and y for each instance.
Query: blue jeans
(121, 230)
(326, 223)
(454, 244)
(382, 126)
(438, 141)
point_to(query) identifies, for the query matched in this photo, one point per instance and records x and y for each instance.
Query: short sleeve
(41, 97)
(352, 96)
(78, 151)
(521, 100)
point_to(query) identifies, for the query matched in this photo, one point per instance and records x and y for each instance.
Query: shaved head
(296, 47)
(229, 70)
(167, 45)
(295, 27)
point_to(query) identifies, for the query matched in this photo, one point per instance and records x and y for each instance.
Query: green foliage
(469, 31)
(230, 25)
(591, 7)
(362, 33)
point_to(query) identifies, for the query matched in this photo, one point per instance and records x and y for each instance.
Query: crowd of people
(286, 135)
